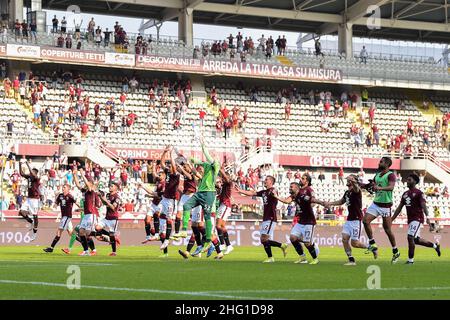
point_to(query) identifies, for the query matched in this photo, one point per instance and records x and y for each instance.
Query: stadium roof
(424, 20)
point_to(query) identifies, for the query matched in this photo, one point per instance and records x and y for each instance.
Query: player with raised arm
(155, 208)
(66, 201)
(168, 201)
(111, 221)
(30, 208)
(267, 227)
(204, 197)
(303, 230)
(225, 185)
(416, 206)
(352, 228)
(198, 230)
(189, 189)
(87, 224)
(383, 185)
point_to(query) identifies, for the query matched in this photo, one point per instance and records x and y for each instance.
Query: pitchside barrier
(16, 231)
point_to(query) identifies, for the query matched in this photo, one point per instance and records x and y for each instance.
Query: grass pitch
(138, 273)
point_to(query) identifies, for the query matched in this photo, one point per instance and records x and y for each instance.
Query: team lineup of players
(200, 191)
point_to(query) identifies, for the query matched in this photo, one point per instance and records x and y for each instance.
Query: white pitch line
(25, 262)
(186, 293)
(330, 290)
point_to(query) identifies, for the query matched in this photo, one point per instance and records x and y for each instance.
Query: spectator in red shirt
(136, 167)
(409, 125)
(345, 109)
(202, 114)
(129, 206)
(123, 177)
(341, 175)
(371, 113)
(326, 107)
(84, 130)
(287, 111)
(225, 112)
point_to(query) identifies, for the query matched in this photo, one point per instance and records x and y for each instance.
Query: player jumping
(204, 197)
(87, 224)
(415, 203)
(29, 210)
(303, 230)
(111, 221)
(66, 201)
(267, 228)
(225, 185)
(168, 201)
(383, 185)
(352, 228)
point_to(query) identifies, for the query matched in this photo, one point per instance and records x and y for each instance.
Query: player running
(267, 228)
(352, 228)
(225, 185)
(111, 221)
(66, 201)
(303, 230)
(168, 201)
(383, 185)
(415, 203)
(87, 224)
(30, 208)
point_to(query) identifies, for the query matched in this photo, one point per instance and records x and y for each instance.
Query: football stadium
(224, 149)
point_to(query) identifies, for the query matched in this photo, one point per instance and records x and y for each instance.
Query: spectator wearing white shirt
(363, 55)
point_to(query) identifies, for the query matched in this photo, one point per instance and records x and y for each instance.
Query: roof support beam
(407, 8)
(265, 12)
(157, 3)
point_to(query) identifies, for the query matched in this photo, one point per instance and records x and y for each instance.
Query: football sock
(220, 235)
(55, 241)
(147, 229)
(312, 251)
(226, 238)
(268, 249)
(84, 243)
(216, 244)
(197, 235)
(191, 243)
(113, 243)
(177, 224)
(298, 247)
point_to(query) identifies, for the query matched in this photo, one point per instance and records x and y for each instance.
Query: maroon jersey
(160, 186)
(172, 181)
(114, 200)
(270, 204)
(189, 185)
(90, 201)
(414, 201)
(304, 208)
(33, 186)
(353, 201)
(66, 204)
(225, 194)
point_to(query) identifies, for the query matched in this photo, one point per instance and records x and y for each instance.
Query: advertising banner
(23, 51)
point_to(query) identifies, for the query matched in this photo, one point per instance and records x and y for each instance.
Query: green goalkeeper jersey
(211, 169)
